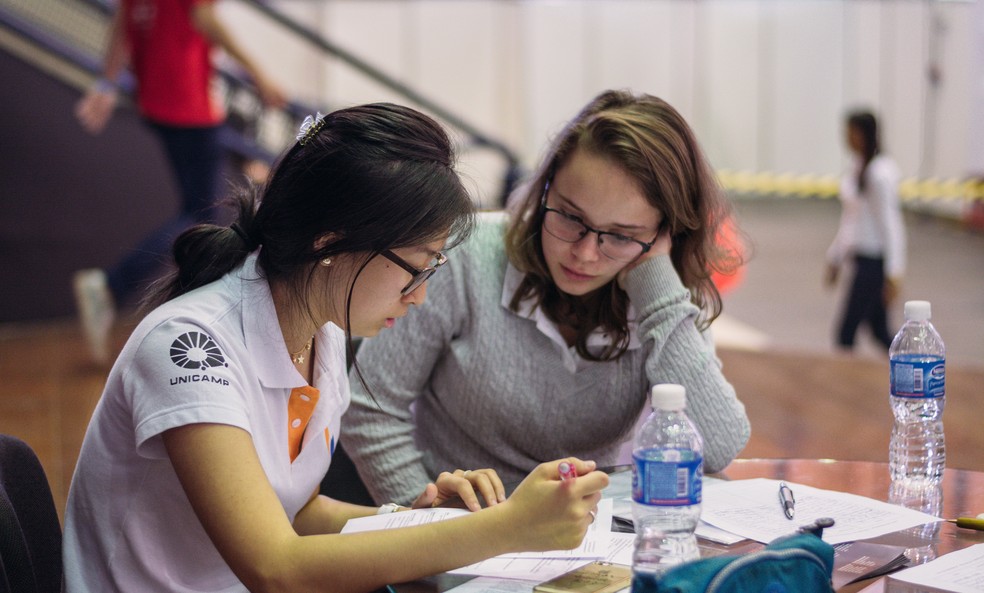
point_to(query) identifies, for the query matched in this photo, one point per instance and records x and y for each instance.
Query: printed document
(751, 508)
(961, 572)
(594, 546)
(543, 569)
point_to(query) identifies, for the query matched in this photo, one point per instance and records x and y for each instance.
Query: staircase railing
(258, 132)
(478, 138)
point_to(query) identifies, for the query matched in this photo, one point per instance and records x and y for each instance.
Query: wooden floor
(800, 405)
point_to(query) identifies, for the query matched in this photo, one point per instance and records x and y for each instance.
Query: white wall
(764, 83)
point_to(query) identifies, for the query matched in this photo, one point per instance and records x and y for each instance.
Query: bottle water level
(917, 449)
(664, 538)
(927, 498)
(665, 532)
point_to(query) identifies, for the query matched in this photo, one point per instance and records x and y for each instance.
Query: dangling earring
(326, 262)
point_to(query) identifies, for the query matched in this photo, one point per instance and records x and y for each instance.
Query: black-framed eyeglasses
(571, 229)
(418, 276)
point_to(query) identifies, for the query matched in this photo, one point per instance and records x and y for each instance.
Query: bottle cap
(917, 311)
(669, 396)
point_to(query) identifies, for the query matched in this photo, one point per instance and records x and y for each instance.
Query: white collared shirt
(597, 340)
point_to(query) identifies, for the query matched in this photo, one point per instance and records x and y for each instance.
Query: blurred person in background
(871, 234)
(168, 46)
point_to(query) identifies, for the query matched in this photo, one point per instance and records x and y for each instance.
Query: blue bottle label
(670, 477)
(915, 378)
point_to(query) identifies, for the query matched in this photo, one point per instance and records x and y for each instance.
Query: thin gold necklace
(298, 357)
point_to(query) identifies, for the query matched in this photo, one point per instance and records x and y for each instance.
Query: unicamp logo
(195, 350)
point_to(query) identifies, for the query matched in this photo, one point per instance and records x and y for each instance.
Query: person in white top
(871, 232)
(202, 462)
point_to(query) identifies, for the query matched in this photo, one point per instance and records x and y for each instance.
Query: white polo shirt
(214, 355)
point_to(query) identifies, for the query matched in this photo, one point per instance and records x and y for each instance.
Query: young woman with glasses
(546, 330)
(202, 463)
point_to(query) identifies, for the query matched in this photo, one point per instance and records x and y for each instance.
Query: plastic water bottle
(667, 473)
(917, 451)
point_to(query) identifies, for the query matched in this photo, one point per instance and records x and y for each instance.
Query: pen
(969, 523)
(566, 471)
(787, 500)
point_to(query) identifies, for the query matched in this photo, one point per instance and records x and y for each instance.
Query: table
(963, 495)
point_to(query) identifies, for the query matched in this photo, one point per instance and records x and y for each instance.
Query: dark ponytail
(206, 252)
(867, 126)
(376, 177)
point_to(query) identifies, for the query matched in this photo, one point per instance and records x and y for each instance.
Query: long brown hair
(651, 141)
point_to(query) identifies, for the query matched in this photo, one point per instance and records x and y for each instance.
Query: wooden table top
(962, 495)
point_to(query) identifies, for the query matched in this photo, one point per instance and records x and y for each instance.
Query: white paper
(593, 546)
(961, 572)
(543, 569)
(620, 490)
(494, 585)
(402, 519)
(751, 508)
(522, 569)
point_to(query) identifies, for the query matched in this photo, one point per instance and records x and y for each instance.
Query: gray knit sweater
(462, 382)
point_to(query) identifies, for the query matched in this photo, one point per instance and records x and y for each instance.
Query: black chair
(30, 534)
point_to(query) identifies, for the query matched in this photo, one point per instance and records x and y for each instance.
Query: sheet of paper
(402, 519)
(494, 585)
(620, 491)
(522, 569)
(594, 545)
(542, 569)
(751, 508)
(961, 572)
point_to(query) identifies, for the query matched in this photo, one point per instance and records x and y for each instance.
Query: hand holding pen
(566, 470)
(787, 500)
(554, 512)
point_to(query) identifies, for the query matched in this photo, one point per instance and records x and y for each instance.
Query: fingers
(468, 485)
(588, 483)
(553, 469)
(270, 94)
(662, 246)
(465, 490)
(488, 484)
(891, 290)
(426, 498)
(560, 510)
(84, 113)
(664, 242)
(94, 110)
(583, 467)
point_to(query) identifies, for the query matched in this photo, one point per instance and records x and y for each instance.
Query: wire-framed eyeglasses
(418, 276)
(571, 229)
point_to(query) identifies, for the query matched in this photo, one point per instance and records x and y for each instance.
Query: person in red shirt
(168, 46)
